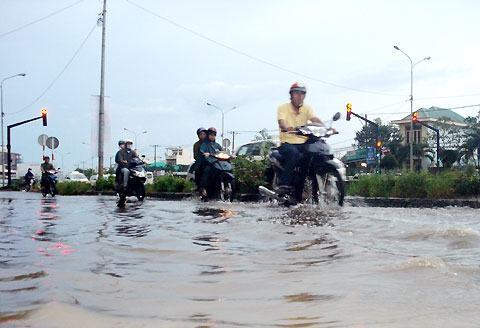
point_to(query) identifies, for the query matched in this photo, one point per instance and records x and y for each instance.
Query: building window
(417, 136)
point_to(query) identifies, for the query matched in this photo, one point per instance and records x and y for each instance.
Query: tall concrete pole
(101, 111)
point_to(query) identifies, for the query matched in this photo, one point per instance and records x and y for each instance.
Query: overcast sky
(159, 75)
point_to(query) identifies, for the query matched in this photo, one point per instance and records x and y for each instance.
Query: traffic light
(378, 144)
(44, 116)
(349, 111)
(415, 117)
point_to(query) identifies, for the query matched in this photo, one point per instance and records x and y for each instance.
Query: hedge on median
(449, 184)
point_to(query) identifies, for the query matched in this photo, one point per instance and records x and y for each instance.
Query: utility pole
(101, 110)
(155, 152)
(233, 139)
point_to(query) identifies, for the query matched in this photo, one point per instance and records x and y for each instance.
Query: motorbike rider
(123, 159)
(28, 176)
(46, 165)
(208, 148)
(197, 155)
(121, 146)
(290, 116)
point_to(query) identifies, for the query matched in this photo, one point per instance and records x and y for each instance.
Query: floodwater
(81, 262)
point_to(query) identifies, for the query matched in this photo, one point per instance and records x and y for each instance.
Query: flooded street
(81, 262)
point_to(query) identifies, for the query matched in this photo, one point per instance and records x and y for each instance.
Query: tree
(263, 135)
(390, 135)
(472, 139)
(450, 135)
(388, 162)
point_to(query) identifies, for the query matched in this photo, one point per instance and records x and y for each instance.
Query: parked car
(149, 176)
(257, 150)
(76, 176)
(93, 179)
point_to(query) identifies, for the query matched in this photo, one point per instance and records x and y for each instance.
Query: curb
(411, 202)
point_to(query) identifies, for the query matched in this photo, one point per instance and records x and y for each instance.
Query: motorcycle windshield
(223, 165)
(320, 147)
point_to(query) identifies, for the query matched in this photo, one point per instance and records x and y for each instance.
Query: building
(16, 159)
(178, 156)
(450, 124)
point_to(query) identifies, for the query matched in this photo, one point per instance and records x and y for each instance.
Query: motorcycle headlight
(317, 131)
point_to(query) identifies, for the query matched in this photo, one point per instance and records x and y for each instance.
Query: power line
(444, 97)
(40, 19)
(59, 74)
(257, 59)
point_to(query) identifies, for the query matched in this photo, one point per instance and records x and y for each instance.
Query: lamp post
(63, 155)
(223, 115)
(135, 134)
(2, 115)
(412, 65)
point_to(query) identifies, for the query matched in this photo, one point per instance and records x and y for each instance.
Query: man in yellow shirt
(290, 116)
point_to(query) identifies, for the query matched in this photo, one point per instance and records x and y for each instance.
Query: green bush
(249, 174)
(411, 185)
(449, 184)
(372, 186)
(170, 183)
(105, 184)
(441, 186)
(73, 188)
(467, 185)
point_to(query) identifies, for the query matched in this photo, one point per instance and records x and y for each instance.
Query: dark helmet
(212, 130)
(46, 157)
(201, 130)
(29, 169)
(121, 142)
(299, 87)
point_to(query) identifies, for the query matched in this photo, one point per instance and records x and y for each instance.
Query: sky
(166, 59)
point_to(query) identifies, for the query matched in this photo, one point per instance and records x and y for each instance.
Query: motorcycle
(136, 182)
(318, 175)
(222, 180)
(48, 183)
(28, 184)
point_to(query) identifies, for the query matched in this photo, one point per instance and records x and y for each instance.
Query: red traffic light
(44, 116)
(415, 117)
(349, 111)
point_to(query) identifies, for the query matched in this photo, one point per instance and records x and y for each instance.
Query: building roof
(435, 113)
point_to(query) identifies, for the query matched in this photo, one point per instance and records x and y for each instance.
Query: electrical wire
(40, 19)
(257, 59)
(59, 74)
(445, 97)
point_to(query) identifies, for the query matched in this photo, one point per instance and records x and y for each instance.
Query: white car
(94, 178)
(257, 150)
(76, 176)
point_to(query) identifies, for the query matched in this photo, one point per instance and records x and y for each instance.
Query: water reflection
(214, 215)
(131, 222)
(47, 216)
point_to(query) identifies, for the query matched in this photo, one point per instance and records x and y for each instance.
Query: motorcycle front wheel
(140, 190)
(331, 188)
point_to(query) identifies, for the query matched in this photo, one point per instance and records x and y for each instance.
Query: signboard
(42, 140)
(52, 143)
(371, 158)
(226, 143)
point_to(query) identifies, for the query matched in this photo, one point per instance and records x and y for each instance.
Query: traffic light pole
(437, 131)
(377, 137)
(9, 157)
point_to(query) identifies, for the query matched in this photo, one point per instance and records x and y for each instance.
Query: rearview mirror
(337, 116)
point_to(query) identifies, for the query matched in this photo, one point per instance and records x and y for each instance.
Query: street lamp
(135, 134)
(223, 115)
(3, 114)
(412, 65)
